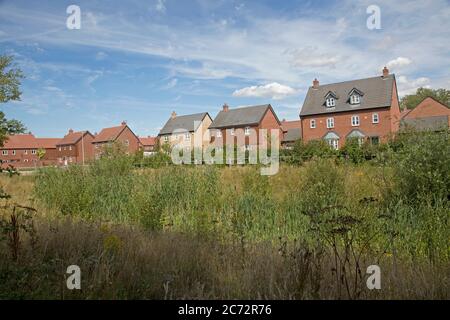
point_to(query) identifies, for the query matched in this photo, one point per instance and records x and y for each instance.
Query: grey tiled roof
(240, 117)
(186, 123)
(377, 94)
(429, 123)
(292, 135)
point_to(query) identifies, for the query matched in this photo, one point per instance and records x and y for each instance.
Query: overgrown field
(308, 232)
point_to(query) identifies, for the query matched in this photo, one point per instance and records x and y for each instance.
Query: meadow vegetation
(167, 232)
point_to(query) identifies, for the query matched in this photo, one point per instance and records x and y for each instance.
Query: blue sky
(140, 60)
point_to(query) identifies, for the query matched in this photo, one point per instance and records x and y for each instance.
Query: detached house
(148, 145)
(120, 134)
(243, 125)
(366, 109)
(75, 147)
(186, 131)
(430, 114)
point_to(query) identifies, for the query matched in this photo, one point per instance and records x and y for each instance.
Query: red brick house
(430, 114)
(22, 151)
(243, 125)
(148, 144)
(120, 134)
(75, 148)
(366, 109)
(292, 131)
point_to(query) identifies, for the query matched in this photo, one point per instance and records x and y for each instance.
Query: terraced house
(186, 131)
(75, 148)
(241, 126)
(121, 134)
(366, 109)
(27, 151)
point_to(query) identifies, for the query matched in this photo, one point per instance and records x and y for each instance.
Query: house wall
(126, 135)
(22, 159)
(343, 124)
(201, 134)
(429, 108)
(74, 153)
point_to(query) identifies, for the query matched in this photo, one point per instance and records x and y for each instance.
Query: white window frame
(166, 138)
(355, 121)
(25, 152)
(312, 123)
(355, 99)
(4, 152)
(13, 152)
(187, 136)
(70, 148)
(33, 151)
(232, 131)
(375, 118)
(334, 143)
(330, 123)
(219, 134)
(247, 131)
(331, 102)
(127, 142)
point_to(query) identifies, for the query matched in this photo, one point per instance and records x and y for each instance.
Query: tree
(412, 100)
(10, 77)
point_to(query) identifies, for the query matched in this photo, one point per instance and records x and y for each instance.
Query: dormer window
(330, 99)
(355, 96)
(331, 102)
(355, 99)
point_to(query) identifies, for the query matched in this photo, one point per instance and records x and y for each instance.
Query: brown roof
(47, 143)
(72, 138)
(295, 124)
(21, 141)
(147, 141)
(109, 134)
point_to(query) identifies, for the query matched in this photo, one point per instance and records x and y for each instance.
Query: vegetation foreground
(205, 232)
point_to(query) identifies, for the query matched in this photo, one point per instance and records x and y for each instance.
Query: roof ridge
(362, 79)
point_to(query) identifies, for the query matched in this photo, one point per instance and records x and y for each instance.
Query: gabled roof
(72, 138)
(21, 141)
(147, 141)
(331, 135)
(240, 117)
(188, 123)
(357, 91)
(377, 94)
(47, 143)
(431, 106)
(109, 134)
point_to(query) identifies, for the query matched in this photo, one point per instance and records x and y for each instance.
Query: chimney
(124, 123)
(70, 131)
(315, 83)
(225, 108)
(385, 72)
(173, 115)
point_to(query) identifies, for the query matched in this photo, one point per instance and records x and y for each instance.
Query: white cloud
(406, 86)
(398, 63)
(310, 57)
(172, 83)
(273, 90)
(161, 6)
(100, 55)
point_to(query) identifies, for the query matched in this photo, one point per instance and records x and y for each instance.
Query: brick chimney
(70, 131)
(385, 72)
(225, 108)
(124, 123)
(173, 115)
(315, 83)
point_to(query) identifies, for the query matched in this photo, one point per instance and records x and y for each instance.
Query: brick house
(148, 145)
(75, 148)
(292, 131)
(187, 130)
(121, 134)
(50, 157)
(22, 151)
(430, 114)
(243, 126)
(366, 109)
